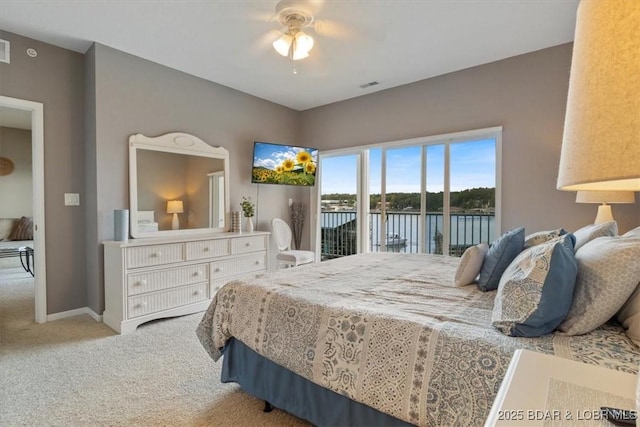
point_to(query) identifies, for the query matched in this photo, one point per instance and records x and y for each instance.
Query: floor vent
(4, 51)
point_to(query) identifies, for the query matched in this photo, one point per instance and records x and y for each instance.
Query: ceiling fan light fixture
(296, 46)
(294, 43)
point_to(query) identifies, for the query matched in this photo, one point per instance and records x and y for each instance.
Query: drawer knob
(142, 304)
(198, 273)
(157, 254)
(218, 269)
(142, 282)
(198, 292)
(206, 249)
(258, 262)
(248, 244)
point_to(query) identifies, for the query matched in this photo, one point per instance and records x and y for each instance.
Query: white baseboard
(76, 312)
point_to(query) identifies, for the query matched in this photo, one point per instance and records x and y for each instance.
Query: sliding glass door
(340, 230)
(436, 195)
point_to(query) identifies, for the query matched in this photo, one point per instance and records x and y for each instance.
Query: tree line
(472, 198)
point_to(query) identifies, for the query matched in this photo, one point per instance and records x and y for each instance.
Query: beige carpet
(76, 372)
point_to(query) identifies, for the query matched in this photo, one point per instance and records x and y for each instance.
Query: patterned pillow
(608, 271)
(501, 252)
(536, 290)
(542, 236)
(22, 229)
(470, 264)
(593, 231)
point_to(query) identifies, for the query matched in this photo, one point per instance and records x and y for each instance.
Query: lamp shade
(175, 206)
(605, 197)
(282, 44)
(601, 140)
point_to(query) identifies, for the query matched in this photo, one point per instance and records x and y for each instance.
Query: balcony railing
(339, 232)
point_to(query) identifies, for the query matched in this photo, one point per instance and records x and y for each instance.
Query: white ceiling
(393, 42)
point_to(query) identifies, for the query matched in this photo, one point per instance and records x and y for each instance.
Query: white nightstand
(539, 389)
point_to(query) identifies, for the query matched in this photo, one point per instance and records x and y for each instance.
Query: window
(427, 195)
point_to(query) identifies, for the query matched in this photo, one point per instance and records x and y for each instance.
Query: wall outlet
(71, 199)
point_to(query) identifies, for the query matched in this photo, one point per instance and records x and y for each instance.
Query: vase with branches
(297, 214)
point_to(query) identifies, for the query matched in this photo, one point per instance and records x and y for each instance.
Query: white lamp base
(604, 214)
(175, 223)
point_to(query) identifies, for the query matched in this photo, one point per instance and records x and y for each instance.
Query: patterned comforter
(391, 331)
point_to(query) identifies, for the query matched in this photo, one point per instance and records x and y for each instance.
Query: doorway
(36, 111)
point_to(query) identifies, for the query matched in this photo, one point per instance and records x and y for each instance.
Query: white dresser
(146, 279)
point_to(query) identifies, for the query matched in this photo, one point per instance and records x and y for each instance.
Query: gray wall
(55, 78)
(133, 95)
(524, 94)
(16, 189)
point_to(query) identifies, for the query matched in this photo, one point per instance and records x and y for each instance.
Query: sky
(472, 165)
(270, 155)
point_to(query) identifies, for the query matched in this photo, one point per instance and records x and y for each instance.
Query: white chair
(287, 256)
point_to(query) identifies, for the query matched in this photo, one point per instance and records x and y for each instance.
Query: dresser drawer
(207, 249)
(143, 256)
(158, 301)
(240, 265)
(139, 283)
(247, 244)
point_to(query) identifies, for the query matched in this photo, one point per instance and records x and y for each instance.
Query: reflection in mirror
(216, 199)
(178, 185)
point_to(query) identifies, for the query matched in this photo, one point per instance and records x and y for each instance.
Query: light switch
(71, 199)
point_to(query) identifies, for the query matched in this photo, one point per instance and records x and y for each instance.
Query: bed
(378, 339)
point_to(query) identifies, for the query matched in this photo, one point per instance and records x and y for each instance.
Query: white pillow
(6, 224)
(593, 231)
(632, 233)
(470, 264)
(608, 272)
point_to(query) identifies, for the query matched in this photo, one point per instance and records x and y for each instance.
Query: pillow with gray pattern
(608, 272)
(593, 231)
(536, 290)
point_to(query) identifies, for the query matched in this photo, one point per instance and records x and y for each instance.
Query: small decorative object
(6, 166)
(297, 213)
(249, 209)
(121, 225)
(236, 222)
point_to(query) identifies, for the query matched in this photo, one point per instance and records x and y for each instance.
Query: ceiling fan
(295, 15)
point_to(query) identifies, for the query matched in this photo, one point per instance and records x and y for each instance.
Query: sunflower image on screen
(284, 164)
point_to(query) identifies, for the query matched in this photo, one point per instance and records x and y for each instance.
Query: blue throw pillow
(502, 251)
(536, 290)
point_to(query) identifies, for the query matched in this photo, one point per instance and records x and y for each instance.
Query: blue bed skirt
(294, 394)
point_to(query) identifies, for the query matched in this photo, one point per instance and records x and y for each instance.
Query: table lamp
(601, 140)
(175, 207)
(605, 197)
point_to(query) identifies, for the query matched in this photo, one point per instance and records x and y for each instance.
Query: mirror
(178, 184)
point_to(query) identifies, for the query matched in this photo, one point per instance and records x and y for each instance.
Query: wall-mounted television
(284, 164)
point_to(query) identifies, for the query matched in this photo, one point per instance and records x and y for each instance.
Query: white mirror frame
(178, 143)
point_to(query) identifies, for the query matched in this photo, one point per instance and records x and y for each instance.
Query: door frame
(37, 171)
